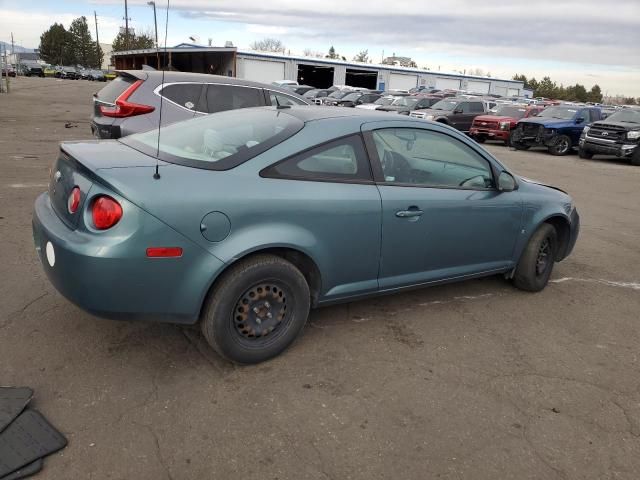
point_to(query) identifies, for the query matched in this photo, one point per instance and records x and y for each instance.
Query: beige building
(106, 59)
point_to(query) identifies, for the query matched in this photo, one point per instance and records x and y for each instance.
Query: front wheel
(561, 146)
(536, 263)
(514, 141)
(635, 158)
(480, 138)
(256, 310)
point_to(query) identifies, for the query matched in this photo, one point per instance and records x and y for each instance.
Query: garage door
(476, 86)
(262, 70)
(502, 91)
(399, 81)
(514, 92)
(447, 83)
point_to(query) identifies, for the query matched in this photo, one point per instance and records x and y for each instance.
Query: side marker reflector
(164, 252)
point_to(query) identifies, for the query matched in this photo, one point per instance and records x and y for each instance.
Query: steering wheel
(395, 165)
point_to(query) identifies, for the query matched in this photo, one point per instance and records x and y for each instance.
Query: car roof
(171, 76)
(308, 113)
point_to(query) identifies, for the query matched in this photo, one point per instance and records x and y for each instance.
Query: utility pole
(95, 16)
(126, 26)
(155, 22)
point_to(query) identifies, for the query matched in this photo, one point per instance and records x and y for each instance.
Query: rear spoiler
(137, 74)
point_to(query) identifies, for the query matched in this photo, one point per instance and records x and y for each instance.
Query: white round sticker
(51, 254)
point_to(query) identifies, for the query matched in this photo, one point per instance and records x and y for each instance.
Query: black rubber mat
(26, 471)
(12, 401)
(26, 439)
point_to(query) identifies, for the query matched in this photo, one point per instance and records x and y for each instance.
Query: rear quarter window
(185, 95)
(220, 98)
(114, 88)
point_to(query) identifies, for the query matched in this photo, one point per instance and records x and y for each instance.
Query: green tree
(135, 42)
(363, 56)
(56, 46)
(595, 95)
(85, 50)
(547, 88)
(332, 53)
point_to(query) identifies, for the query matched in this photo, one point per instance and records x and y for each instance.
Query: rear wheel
(256, 310)
(584, 153)
(536, 263)
(561, 146)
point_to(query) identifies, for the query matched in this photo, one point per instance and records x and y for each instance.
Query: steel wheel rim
(542, 260)
(262, 313)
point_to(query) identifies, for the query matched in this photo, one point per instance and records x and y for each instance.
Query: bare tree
(312, 53)
(363, 56)
(268, 45)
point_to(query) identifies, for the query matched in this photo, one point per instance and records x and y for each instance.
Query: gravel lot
(468, 381)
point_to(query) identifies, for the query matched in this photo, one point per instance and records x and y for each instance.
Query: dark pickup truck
(457, 112)
(556, 128)
(618, 135)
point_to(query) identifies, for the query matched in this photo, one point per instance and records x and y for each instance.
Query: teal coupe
(244, 220)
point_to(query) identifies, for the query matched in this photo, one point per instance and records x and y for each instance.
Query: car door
(327, 192)
(577, 128)
(442, 216)
(457, 119)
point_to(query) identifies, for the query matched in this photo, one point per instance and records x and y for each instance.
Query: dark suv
(457, 112)
(131, 102)
(618, 135)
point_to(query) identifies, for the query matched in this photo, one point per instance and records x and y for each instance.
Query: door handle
(409, 213)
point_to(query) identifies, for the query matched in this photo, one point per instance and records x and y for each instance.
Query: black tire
(256, 309)
(515, 143)
(480, 138)
(536, 263)
(584, 153)
(561, 146)
(635, 158)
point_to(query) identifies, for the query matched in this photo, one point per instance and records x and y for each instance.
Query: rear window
(114, 88)
(219, 141)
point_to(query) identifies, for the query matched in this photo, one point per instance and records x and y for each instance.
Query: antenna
(156, 175)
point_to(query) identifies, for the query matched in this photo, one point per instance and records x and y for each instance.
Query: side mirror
(579, 119)
(506, 182)
(457, 110)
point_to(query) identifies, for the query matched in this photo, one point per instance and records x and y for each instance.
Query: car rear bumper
(615, 149)
(111, 277)
(105, 131)
(489, 133)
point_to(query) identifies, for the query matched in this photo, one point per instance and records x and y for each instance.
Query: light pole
(155, 22)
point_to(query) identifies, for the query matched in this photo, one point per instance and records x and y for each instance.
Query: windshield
(218, 141)
(448, 105)
(339, 94)
(384, 101)
(352, 96)
(405, 101)
(563, 113)
(310, 93)
(625, 116)
(509, 111)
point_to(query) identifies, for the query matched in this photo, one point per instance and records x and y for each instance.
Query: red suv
(498, 124)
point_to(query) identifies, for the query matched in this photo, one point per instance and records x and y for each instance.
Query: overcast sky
(583, 41)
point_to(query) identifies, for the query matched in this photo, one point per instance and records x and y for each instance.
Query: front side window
(343, 160)
(430, 159)
(219, 98)
(219, 141)
(586, 115)
(281, 99)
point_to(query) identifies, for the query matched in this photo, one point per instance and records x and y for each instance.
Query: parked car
(68, 73)
(8, 70)
(311, 95)
(618, 135)
(556, 128)
(300, 89)
(32, 69)
(284, 83)
(357, 98)
(498, 123)
(131, 102)
(382, 101)
(244, 220)
(457, 112)
(84, 74)
(405, 105)
(96, 76)
(333, 97)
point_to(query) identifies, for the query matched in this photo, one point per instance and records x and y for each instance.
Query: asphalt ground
(475, 380)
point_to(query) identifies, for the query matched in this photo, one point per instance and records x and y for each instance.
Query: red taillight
(124, 108)
(74, 200)
(106, 212)
(159, 252)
